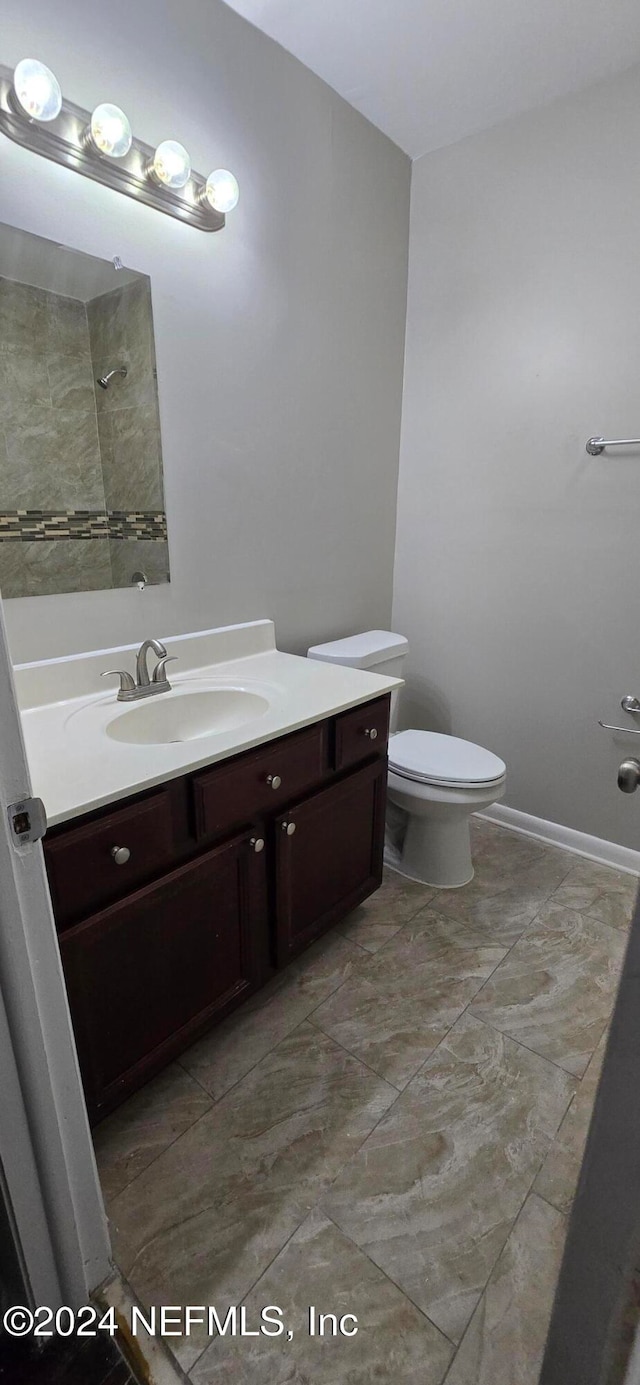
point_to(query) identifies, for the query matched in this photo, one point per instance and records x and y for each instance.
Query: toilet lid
(430, 758)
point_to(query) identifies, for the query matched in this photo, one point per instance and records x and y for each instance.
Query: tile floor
(392, 1128)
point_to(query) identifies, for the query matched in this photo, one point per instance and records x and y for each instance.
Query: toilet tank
(379, 651)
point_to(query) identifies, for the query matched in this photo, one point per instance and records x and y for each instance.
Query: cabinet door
(148, 973)
(332, 859)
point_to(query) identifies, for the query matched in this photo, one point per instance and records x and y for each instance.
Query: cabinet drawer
(261, 781)
(361, 733)
(83, 874)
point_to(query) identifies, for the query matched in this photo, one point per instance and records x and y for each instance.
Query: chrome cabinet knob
(120, 854)
(274, 780)
(288, 827)
(371, 732)
(257, 843)
(629, 775)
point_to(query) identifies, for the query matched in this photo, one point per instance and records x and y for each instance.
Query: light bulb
(37, 90)
(171, 164)
(221, 190)
(111, 131)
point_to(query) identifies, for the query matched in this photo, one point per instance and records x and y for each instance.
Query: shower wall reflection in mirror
(81, 493)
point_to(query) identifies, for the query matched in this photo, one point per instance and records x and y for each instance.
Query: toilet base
(396, 867)
(436, 852)
(436, 848)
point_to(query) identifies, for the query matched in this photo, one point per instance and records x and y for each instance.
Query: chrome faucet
(143, 686)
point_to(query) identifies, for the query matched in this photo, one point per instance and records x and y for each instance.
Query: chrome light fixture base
(63, 140)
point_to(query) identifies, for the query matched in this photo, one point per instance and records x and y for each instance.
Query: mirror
(81, 490)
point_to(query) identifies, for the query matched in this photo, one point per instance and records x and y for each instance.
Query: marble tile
(374, 922)
(392, 1039)
(136, 390)
(122, 318)
(402, 1001)
(555, 990)
(47, 403)
(105, 444)
(130, 1139)
(58, 565)
(12, 569)
(558, 1177)
(504, 1342)
(121, 333)
(204, 1221)
(67, 327)
(102, 316)
(53, 460)
(150, 556)
(71, 383)
(24, 382)
(510, 885)
(133, 477)
(605, 894)
(24, 314)
(321, 1267)
(432, 948)
(225, 1055)
(499, 851)
(432, 1194)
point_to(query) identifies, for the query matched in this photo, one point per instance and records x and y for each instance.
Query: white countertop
(76, 766)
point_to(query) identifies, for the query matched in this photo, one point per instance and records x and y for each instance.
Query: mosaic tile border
(137, 524)
(28, 526)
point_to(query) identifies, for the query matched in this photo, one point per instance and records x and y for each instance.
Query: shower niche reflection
(81, 489)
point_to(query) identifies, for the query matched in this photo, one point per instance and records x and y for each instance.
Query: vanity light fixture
(36, 90)
(100, 144)
(110, 131)
(171, 164)
(221, 190)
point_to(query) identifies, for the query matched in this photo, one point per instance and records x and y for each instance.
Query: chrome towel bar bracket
(597, 445)
(629, 704)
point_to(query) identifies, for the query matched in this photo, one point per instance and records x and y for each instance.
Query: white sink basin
(186, 716)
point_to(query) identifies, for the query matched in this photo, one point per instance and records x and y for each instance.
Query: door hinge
(27, 820)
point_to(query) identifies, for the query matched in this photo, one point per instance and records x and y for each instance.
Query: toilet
(437, 781)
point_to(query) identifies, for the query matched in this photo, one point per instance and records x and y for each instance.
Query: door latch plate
(27, 821)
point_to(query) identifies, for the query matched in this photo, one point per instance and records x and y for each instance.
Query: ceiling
(430, 72)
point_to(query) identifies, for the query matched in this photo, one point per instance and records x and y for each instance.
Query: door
(52, 1204)
(597, 1303)
(149, 972)
(328, 856)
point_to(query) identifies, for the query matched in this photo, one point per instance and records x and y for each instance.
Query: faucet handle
(127, 683)
(159, 674)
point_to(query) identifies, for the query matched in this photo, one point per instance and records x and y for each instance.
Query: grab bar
(597, 445)
(628, 730)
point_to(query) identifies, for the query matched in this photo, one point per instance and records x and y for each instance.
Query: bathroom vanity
(176, 901)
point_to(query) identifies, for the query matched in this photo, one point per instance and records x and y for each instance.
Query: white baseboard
(580, 843)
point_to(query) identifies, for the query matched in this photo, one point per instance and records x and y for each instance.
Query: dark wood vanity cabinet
(175, 906)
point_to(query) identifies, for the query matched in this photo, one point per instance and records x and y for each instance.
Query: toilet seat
(427, 757)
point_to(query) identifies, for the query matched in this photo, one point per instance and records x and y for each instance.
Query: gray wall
(517, 576)
(279, 340)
